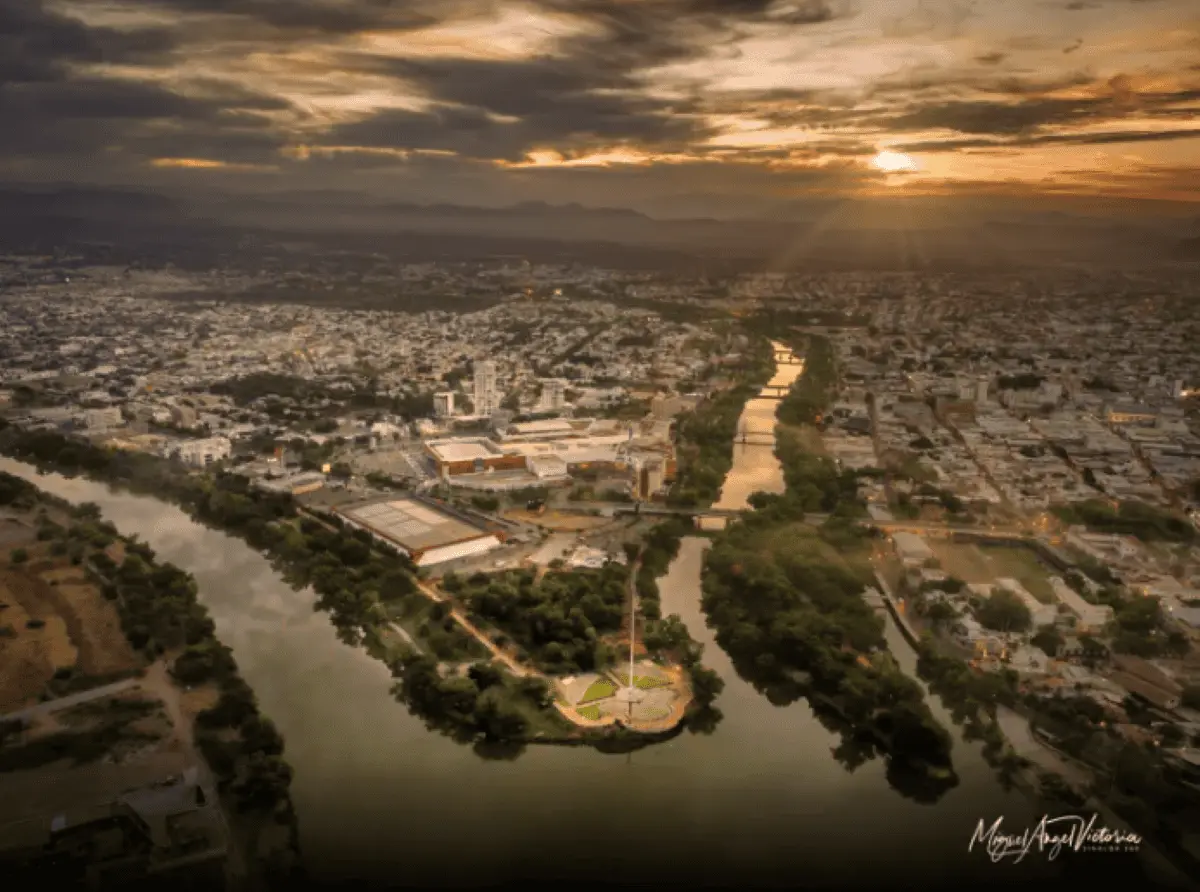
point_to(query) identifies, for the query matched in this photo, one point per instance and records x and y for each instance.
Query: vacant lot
(554, 520)
(982, 564)
(54, 621)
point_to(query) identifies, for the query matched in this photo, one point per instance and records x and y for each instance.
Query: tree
(1004, 612)
(1191, 696)
(940, 612)
(19, 555)
(706, 685)
(1049, 640)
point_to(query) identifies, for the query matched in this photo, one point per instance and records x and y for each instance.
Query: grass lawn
(591, 713)
(983, 564)
(600, 689)
(645, 682)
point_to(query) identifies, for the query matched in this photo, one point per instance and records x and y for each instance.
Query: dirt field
(553, 520)
(79, 629)
(974, 563)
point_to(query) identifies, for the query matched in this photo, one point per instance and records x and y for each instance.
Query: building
(1042, 614)
(427, 533)
(184, 416)
(103, 419)
(487, 392)
(471, 455)
(201, 453)
(912, 549)
(1128, 413)
(1088, 617)
(295, 484)
(554, 394)
(981, 390)
(172, 831)
(443, 404)
(649, 475)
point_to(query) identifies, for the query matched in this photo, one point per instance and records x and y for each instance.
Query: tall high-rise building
(487, 395)
(554, 394)
(981, 390)
(443, 404)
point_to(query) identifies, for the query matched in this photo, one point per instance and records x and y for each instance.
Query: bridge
(773, 392)
(747, 437)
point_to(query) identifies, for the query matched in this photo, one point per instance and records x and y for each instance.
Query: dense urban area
(485, 490)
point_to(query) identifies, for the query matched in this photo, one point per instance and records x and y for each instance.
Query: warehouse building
(425, 533)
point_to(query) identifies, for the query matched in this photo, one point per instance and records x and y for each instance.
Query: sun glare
(893, 162)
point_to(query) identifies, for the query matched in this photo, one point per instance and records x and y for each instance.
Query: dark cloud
(980, 116)
(1081, 139)
(39, 45)
(328, 17)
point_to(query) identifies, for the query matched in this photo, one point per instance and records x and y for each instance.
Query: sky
(693, 105)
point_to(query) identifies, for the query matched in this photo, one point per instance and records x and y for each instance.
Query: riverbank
(364, 590)
(213, 718)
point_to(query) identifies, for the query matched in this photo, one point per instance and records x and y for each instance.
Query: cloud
(983, 116)
(39, 45)
(1078, 139)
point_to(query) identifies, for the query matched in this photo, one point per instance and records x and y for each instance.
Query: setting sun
(893, 162)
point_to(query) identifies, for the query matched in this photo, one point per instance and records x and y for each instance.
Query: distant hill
(908, 234)
(1187, 249)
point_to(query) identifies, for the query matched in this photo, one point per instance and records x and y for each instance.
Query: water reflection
(381, 799)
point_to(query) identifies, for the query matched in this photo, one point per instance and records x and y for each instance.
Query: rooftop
(411, 524)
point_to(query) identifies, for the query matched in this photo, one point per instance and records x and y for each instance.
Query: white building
(443, 404)
(200, 453)
(912, 549)
(103, 419)
(487, 393)
(554, 392)
(1088, 617)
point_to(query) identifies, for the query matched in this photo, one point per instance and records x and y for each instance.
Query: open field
(555, 520)
(980, 564)
(56, 621)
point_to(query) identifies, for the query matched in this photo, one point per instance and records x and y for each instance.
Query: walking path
(70, 700)
(158, 682)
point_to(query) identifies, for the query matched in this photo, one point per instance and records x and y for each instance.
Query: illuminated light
(894, 162)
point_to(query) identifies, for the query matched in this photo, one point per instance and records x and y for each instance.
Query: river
(759, 802)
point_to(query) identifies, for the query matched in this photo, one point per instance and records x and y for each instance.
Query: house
(1088, 617)
(912, 549)
(1042, 614)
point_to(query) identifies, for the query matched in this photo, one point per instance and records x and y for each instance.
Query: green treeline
(811, 394)
(1129, 518)
(785, 601)
(795, 624)
(704, 436)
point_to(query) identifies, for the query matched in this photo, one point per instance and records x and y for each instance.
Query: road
(158, 682)
(67, 702)
(468, 626)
